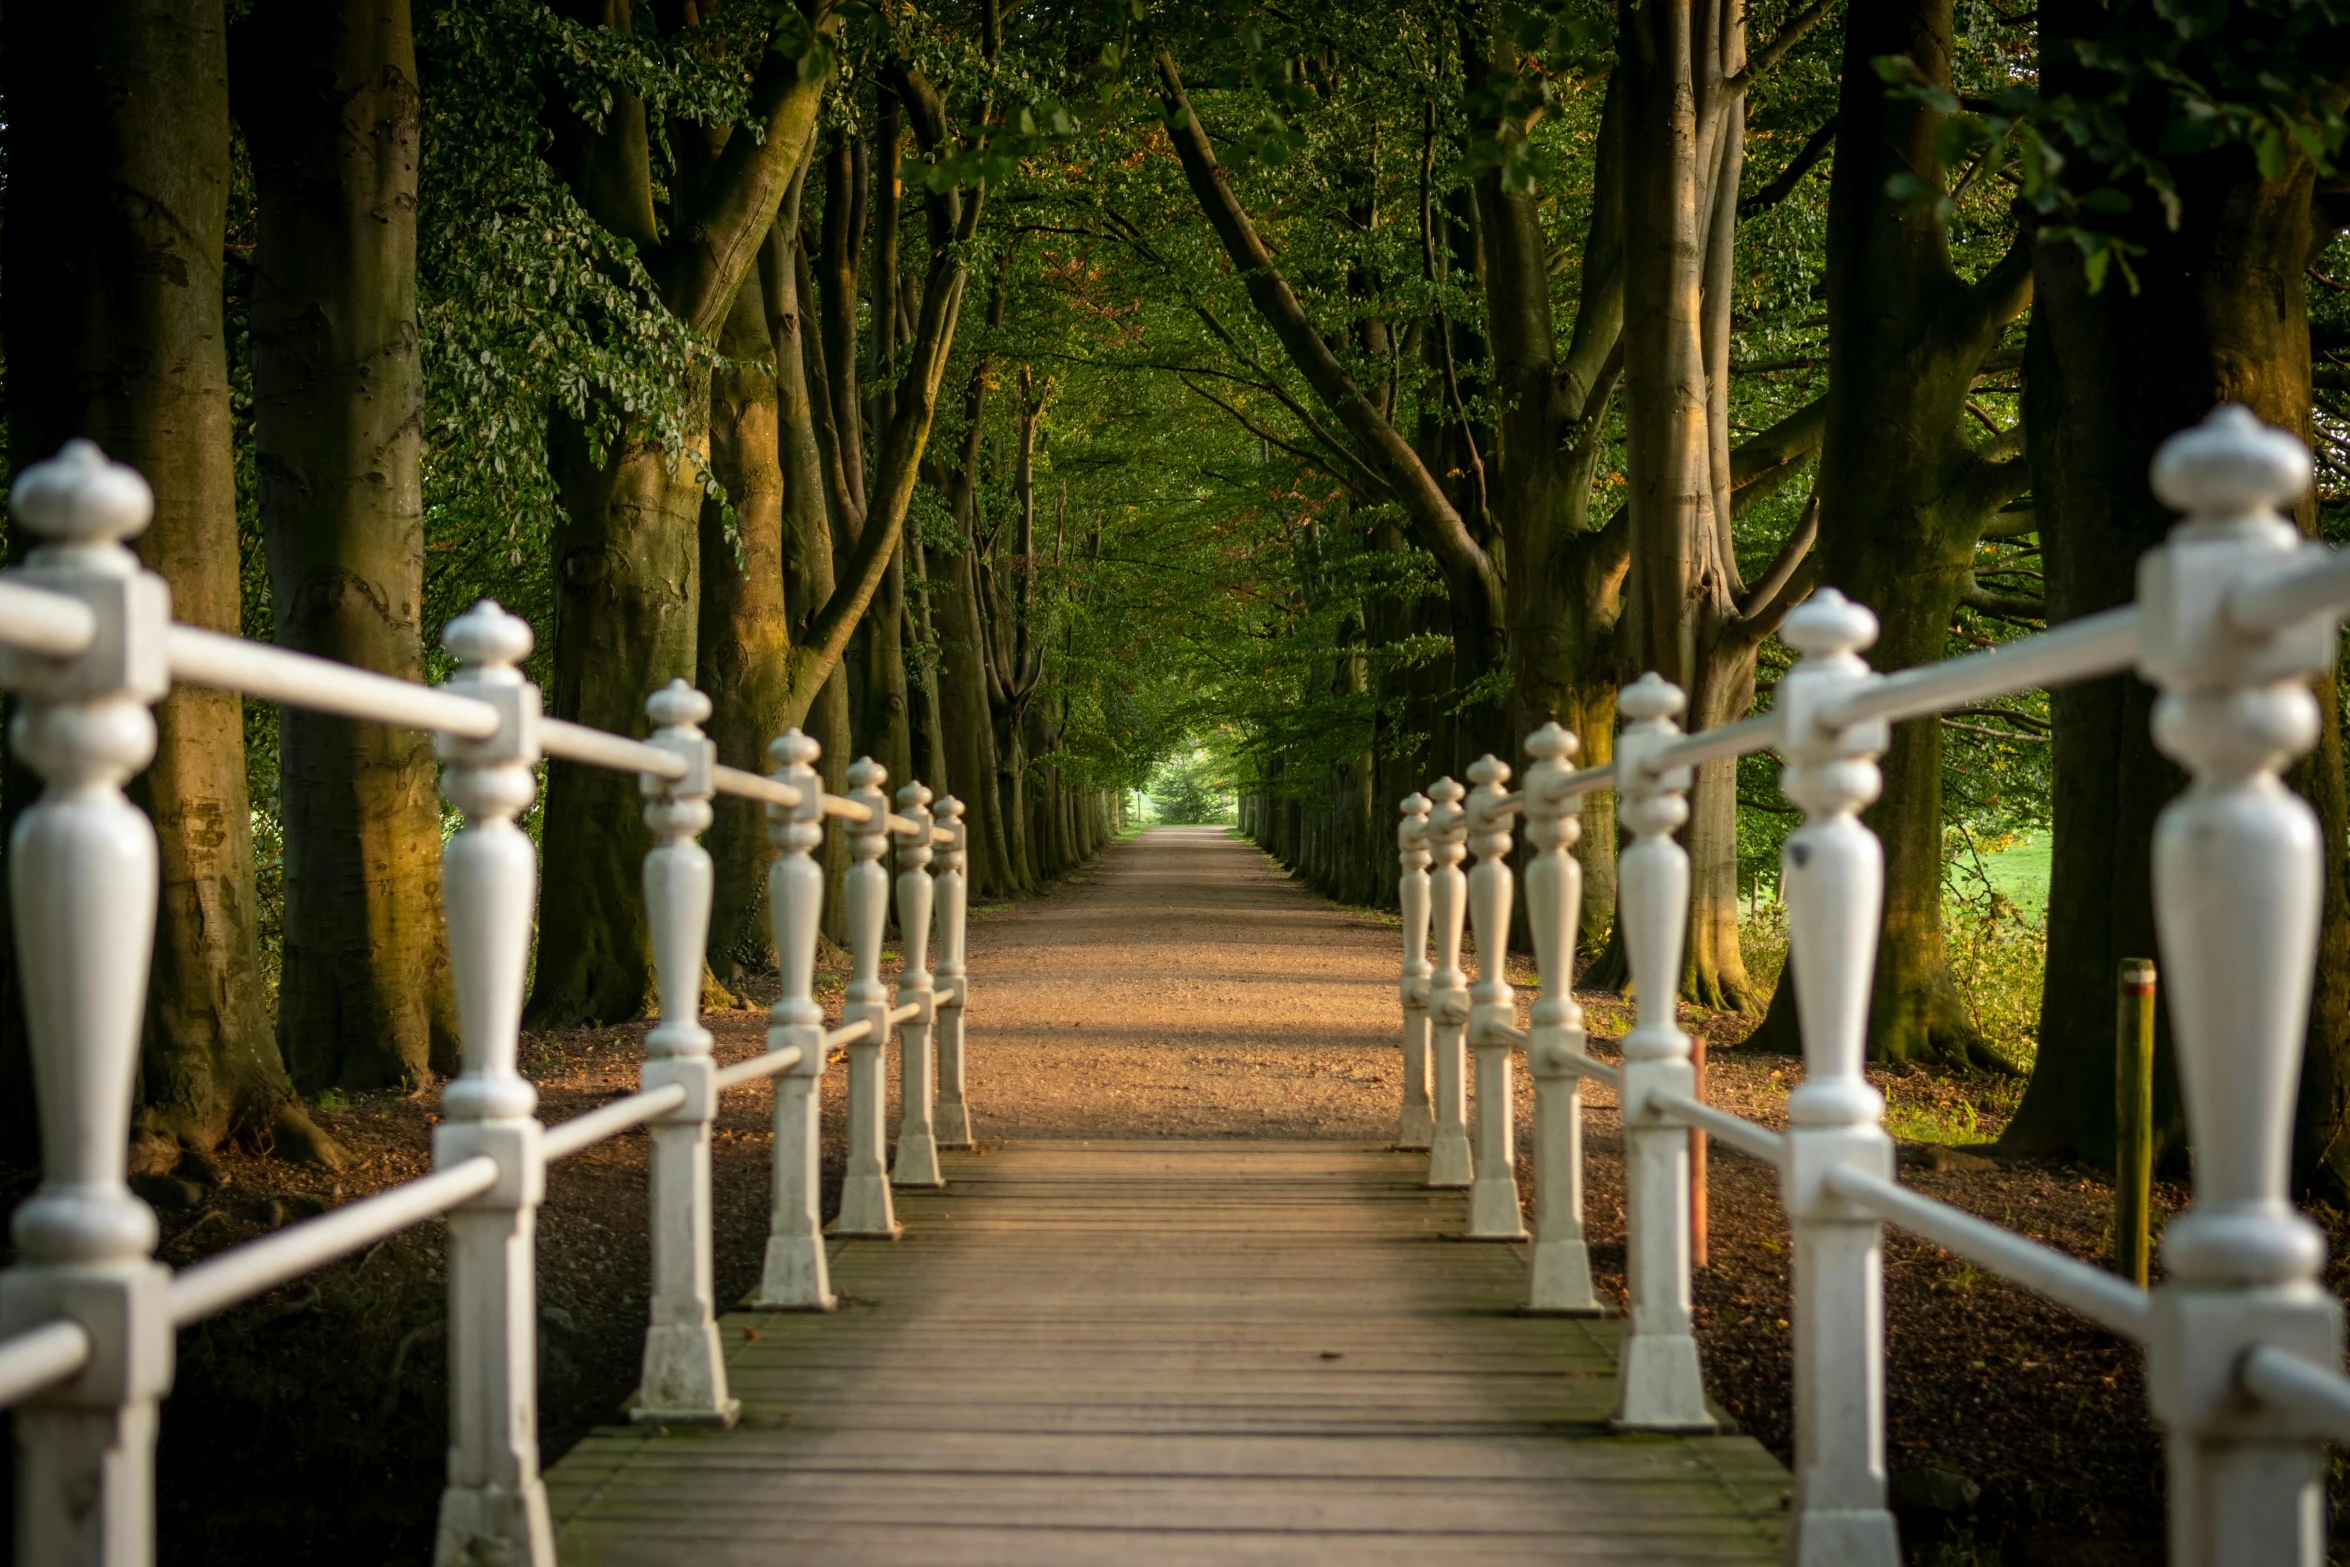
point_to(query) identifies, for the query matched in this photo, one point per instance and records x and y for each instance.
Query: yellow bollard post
(2133, 1118)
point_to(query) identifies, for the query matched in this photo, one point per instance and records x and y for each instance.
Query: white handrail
(41, 1357)
(320, 685)
(221, 1281)
(848, 1033)
(846, 809)
(2312, 1391)
(757, 1067)
(566, 1138)
(2068, 1281)
(583, 743)
(1589, 780)
(53, 625)
(753, 786)
(1768, 1146)
(2274, 601)
(2083, 649)
(1758, 733)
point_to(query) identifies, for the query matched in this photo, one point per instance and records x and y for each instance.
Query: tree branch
(1467, 568)
(1783, 565)
(1772, 53)
(711, 252)
(1761, 466)
(1783, 184)
(1360, 477)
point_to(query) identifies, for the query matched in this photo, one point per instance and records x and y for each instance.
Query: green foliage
(1193, 790)
(533, 314)
(2167, 80)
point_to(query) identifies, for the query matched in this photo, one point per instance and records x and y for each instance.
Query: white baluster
(1417, 1125)
(795, 1277)
(1657, 1383)
(684, 1380)
(917, 1155)
(953, 1114)
(495, 1507)
(1559, 1275)
(1449, 1164)
(865, 1207)
(1833, 871)
(2239, 870)
(82, 876)
(1493, 1193)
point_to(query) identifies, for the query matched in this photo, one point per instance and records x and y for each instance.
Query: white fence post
(2239, 870)
(794, 1277)
(82, 877)
(1448, 988)
(495, 1507)
(1559, 1276)
(1833, 872)
(865, 1207)
(917, 1155)
(1494, 1214)
(1658, 1387)
(952, 1115)
(684, 1378)
(1416, 1126)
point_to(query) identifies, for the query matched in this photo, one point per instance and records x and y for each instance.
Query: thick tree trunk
(744, 651)
(820, 708)
(971, 752)
(1685, 126)
(328, 96)
(627, 547)
(887, 727)
(2220, 316)
(929, 723)
(627, 591)
(118, 155)
(1903, 491)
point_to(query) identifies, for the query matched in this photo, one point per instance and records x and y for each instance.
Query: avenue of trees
(1030, 394)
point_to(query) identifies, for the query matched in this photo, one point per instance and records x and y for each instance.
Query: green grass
(2019, 873)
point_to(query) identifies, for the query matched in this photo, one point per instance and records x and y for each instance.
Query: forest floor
(1181, 986)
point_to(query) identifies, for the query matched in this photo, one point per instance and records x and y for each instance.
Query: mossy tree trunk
(628, 546)
(327, 96)
(2220, 315)
(1904, 489)
(118, 154)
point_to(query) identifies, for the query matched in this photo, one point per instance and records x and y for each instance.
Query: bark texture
(2220, 316)
(118, 151)
(328, 98)
(1904, 489)
(628, 546)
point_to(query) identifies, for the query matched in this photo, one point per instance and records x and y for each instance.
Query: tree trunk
(118, 155)
(744, 652)
(1685, 126)
(1903, 491)
(627, 591)
(971, 751)
(328, 97)
(2220, 316)
(627, 547)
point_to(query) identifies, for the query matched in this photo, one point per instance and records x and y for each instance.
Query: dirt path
(1187, 988)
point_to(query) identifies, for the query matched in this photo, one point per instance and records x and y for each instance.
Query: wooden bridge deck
(1169, 1352)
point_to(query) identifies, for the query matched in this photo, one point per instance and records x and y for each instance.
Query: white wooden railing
(87, 644)
(2234, 614)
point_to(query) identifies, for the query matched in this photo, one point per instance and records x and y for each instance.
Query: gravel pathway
(1186, 988)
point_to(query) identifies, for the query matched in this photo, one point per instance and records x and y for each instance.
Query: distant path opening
(1187, 988)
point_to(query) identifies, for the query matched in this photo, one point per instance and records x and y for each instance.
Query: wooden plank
(1164, 1354)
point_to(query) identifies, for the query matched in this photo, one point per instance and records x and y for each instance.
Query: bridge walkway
(1168, 1350)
